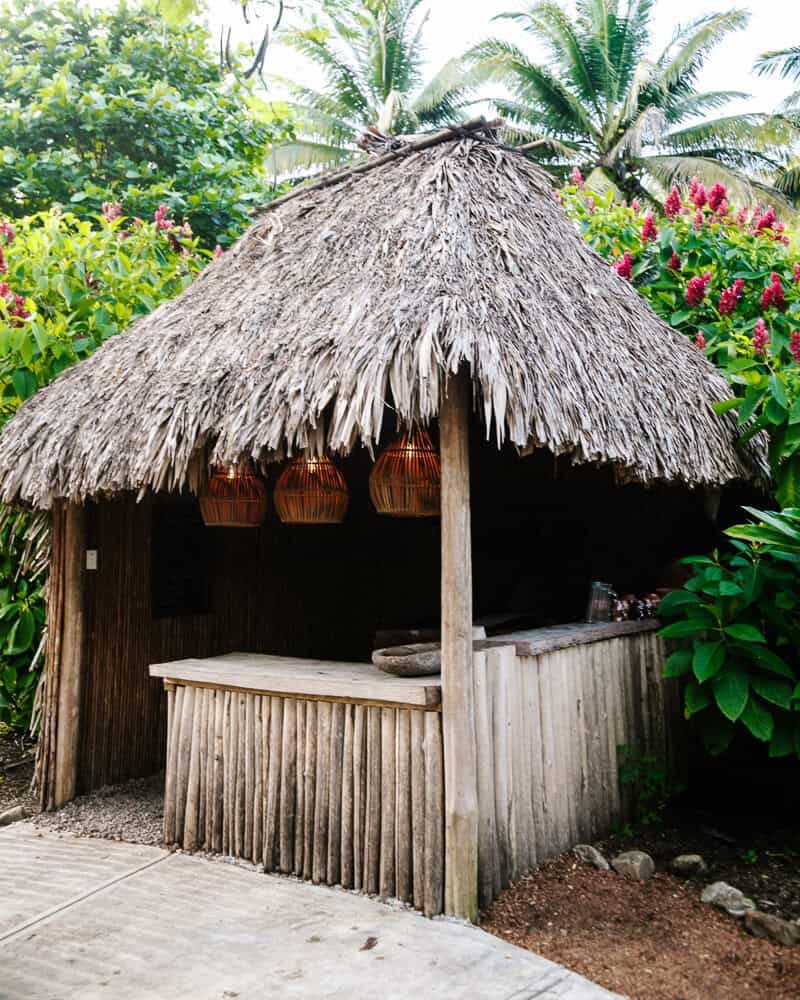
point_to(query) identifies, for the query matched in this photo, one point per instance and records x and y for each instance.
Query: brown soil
(16, 771)
(649, 940)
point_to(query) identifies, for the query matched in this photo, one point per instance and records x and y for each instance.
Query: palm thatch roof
(354, 298)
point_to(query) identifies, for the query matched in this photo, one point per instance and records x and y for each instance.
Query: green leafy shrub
(730, 281)
(652, 786)
(66, 286)
(105, 104)
(739, 634)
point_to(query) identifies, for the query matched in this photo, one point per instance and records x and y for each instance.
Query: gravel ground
(16, 771)
(132, 811)
(649, 940)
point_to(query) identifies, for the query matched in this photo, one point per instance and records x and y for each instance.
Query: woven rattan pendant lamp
(311, 491)
(235, 497)
(406, 479)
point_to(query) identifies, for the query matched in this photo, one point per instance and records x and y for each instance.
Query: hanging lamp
(311, 491)
(235, 497)
(406, 479)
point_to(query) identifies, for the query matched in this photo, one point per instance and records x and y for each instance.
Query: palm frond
(682, 59)
(784, 62)
(308, 157)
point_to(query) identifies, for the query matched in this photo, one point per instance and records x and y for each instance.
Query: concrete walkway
(91, 919)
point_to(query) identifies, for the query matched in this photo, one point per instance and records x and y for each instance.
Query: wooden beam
(458, 693)
(70, 672)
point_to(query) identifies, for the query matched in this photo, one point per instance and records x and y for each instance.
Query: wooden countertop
(363, 682)
(322, 679)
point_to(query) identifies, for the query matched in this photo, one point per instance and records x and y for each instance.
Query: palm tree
(633, 123)
(786, 63)
(371, 57)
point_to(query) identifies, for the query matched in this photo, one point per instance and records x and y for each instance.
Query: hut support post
(458, 700)
(70, 667)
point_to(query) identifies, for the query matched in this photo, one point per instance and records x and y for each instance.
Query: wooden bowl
(422, 659)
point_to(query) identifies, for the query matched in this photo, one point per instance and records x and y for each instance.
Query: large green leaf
(758, 719)
(696, 698)
(678, 630)
(678, 663)
(745, 633)
(772, 689)
(731, 690)
(708, 659)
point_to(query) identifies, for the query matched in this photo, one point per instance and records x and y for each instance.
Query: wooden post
(458, 695)
(69, 688)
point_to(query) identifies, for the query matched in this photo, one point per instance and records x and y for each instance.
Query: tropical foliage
(370, 54)
(730, 281)
(105, 105)
(786, 64)
(66, 285)
(633, 123)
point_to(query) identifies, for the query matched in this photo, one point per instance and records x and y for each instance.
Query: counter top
(362, 682)
(301, 677)
(535, 641)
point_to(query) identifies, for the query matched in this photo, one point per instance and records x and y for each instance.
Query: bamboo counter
(329, 771)
(334, 772)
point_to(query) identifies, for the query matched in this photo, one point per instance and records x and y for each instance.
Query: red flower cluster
(773, 293)
(649, 230)
(7, 231)
(700, 341)
(797, 272)
(218, 251)
(760, 337)
(624, 266)
(160, 216)
(111, 210)
(717, 197)
(3, 264)
(696, 289)
(698, 220)
(14, 305)
(674, 262)
(766, 221)
(672, 205)
(577, 177)
(697, 193)
(794, 345)
(730, 296)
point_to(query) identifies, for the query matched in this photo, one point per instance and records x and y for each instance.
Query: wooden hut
(436, 286)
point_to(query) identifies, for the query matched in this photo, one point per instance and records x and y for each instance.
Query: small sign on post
(91, 558)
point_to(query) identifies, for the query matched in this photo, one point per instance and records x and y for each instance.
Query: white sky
(455, 24)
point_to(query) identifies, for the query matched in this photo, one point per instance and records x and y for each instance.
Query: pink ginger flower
(217, 250)
(773, 293)
(161, 220)
(591, 204)
(635, 204)
(624, 267)
(5, 289)
(186, 230)
(722, 210)
(674, 262)
(760, 337)
(3, 265)
(700, 341)
(649, 230)
(767, 220)
(8, 231)
(577, 177)
(730, 296)
(716, 196)
(741, 218)
(696, 289)
(672, 205)
(697, 193)
(698, 220)
(794, 345)
(797, 271)
(111, 210)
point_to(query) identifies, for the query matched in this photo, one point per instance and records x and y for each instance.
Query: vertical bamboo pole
(458, 697)
(69, 688)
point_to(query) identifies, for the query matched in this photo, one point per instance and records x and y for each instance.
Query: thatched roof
(366, 290)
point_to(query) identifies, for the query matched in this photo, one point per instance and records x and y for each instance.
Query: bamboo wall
(548, 728)
(346, 794)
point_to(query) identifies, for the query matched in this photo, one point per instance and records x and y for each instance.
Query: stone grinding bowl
(419, 660)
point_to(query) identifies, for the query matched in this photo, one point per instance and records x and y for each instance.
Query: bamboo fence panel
(548, 728)
(340, 793)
